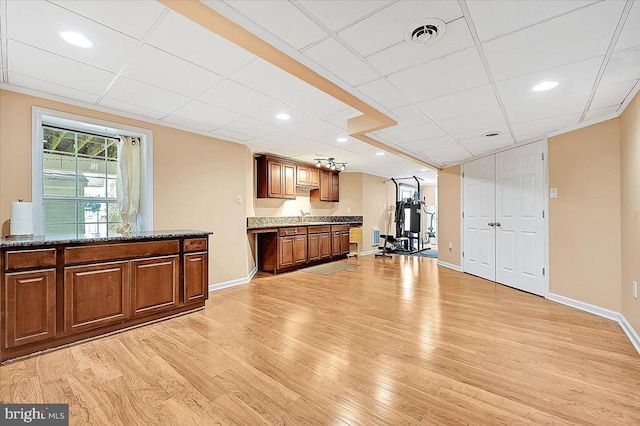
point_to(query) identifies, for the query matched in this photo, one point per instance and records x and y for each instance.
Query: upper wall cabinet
(308, 176)
(329, 187)
(276, 178)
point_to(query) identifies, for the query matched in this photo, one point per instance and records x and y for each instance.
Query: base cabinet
(196, 277)
(29, 306)
(154, 284)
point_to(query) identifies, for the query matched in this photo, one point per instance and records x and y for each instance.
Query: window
(75, 170)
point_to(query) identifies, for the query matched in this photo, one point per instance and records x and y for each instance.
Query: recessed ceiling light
(379, 153)
(76, 39)
(424, 170)
(283, 116)
(545, 85)
(342, 139)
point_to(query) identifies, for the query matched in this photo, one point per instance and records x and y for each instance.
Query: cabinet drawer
(195, 244)
(22, 259)
(336, 228)
(119, 251)
(319, 229)
(288, 232)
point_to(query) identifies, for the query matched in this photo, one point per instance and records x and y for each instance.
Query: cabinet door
(289, 181)
(314, 177)
(314, 247)
(336, 250)
(325, 245)
(274, 180)
(285, 252)
(302, 175)
(30, 307)
(335, 186)
(196, 277)
(300, 249)
(154, 284)
(344, 242)
(95, 295)
(325, 185)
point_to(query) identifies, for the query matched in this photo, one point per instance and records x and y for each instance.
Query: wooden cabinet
(292, 247)
(154, 284)
(314, 177)
(335, 244)
(329, 187)
(196, 277)
(95, 295)
(319, 242)
(29, 306)
(276, 178)
(339, 240)
(308, 176)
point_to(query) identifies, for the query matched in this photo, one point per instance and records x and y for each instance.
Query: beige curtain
(128, 182)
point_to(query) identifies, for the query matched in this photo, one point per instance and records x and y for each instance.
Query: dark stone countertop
(262, 222)
(51, 240)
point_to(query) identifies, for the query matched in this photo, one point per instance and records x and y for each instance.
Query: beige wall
(630, 209)
(584, 221)
(375, 208)
(449, 215)
(196, 179)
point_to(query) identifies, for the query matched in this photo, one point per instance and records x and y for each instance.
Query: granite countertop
(261, 222)
(50, 240)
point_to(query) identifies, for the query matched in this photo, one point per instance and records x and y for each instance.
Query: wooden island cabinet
(57, 291)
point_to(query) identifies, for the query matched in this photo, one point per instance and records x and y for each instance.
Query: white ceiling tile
(597, 113)
(336, 14)
(430, 144)
(334, 57)
(52, 88)
(269, 113)
(623, 66)
(340, 118)
(480, 147)
(423, 131)
(409, 116)
(145, 96)
(559, 41)
(207, 114)
(548, 108)
(230, 135)
(384, 93)
(161, 69)
(494, 18)
(366, 150)
(478, 133)
(388, 27)
(542, 127)
(449, 154)
(630, 35)
(316, 102)
(39, 23)
(189, 124)
(235, 97)
(461, 103)
(405, 55)
(287, 137)
(614, 95)
(267, 79)
(260, 145)
(316, 128)
(27, 60)
(300, 149)
(251, 127)
(132, 109)
(134, 18)
(185, 39)
(282, 19)
(474, 121)
(572, 78)
(453, 73)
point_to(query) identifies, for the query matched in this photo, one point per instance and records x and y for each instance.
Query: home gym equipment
(429, 234)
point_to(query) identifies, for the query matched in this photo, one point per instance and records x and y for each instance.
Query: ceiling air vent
(425, 31)
(491, 134)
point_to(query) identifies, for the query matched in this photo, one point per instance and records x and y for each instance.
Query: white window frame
(80, 123)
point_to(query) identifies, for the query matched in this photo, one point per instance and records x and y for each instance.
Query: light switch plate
(239, 199)
(553, 193)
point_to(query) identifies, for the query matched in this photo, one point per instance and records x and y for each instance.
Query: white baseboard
(232, 283)
(368, 252)
(583, 306)
(601, 312)
(449, 265)
(631, 333)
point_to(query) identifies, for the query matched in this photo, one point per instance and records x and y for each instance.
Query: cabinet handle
(291, 233)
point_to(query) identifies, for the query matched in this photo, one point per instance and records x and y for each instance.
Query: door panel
(154, 284)
(479, 212)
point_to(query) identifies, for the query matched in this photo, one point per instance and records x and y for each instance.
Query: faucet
(303, 214)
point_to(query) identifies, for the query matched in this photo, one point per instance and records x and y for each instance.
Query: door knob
(498, 224)
(491, 223)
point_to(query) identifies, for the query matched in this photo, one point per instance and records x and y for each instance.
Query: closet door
(479, 215)
(520, 231)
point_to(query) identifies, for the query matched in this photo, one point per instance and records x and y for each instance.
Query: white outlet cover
(635, 290)
(239, 199)
(553, 192)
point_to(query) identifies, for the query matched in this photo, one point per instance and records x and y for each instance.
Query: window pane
(111, 188)
(60, 212)
(59, 185)
(59, 140)
(92, 187)
(114, 213)
(92, 212)
(91, 146)
(112, 148)
(112, 168)
(92, 228)
(113, 228)
(59, 163)
(69, 229)
(92, 166)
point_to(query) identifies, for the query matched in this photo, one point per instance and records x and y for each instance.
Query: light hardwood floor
(395, 341)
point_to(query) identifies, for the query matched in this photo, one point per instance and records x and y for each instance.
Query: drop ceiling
(148, 62)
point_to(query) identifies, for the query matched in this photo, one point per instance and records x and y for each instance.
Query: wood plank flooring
(393, 342)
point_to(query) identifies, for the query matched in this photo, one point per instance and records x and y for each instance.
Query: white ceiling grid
(148, 61)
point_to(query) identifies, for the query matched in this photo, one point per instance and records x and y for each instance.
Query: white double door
(503, 223)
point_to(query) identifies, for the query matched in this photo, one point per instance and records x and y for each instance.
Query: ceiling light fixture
(424, 170)
(283, 116)
(545, 85)
(330, 164)
(342, 139)
(76, 39)
(379, 153)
